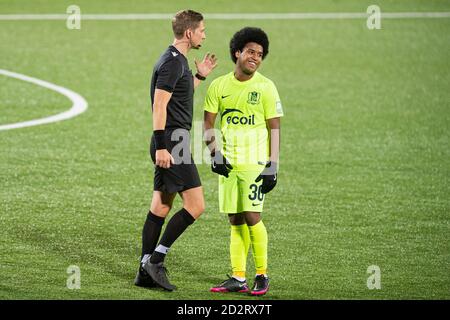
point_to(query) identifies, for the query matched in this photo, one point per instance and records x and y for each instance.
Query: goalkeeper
(249, 110)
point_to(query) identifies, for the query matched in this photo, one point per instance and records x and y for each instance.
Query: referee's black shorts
(182, 175)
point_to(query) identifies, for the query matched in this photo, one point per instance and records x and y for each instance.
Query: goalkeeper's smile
(250, 58)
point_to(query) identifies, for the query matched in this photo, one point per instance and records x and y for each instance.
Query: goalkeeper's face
(249, 59)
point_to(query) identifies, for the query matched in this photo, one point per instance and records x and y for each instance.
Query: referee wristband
(200, 77)
(160, 139)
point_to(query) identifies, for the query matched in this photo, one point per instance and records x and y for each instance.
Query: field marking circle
(79, 104)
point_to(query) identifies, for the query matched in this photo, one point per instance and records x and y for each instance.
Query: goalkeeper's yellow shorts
(240, 193)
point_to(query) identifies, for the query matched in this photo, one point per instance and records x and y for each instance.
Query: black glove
(269, 177)
(220, 164)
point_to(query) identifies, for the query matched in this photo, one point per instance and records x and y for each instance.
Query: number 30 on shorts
(256, 192)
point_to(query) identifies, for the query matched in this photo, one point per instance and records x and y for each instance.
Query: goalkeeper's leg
(259, 242)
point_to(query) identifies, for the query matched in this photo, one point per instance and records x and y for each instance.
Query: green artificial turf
(364, 168)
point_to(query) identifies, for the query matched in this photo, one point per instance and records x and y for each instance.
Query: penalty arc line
(79, 104)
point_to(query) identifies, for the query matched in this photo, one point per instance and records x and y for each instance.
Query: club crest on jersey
(253, 97)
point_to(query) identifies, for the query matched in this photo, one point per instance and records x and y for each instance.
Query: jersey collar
(243, 83)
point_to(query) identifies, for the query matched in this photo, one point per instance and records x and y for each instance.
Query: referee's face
(197, 36)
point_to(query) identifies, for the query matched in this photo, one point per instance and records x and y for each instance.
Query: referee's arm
(161, 99)
(204, 68)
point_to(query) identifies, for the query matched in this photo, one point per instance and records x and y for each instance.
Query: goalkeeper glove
(220, 164)
(268, 176)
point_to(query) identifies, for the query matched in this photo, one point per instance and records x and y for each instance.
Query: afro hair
(246, 35)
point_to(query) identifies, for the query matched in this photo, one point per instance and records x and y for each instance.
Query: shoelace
(223, 283)
(165, 270)
(260, 281)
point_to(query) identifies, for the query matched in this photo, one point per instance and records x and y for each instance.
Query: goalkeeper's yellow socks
(258, 236)
(239, 245)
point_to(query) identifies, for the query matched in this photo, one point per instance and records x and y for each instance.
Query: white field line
(79, 103)
(231, 16)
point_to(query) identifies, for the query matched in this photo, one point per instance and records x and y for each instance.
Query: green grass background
(365, 166)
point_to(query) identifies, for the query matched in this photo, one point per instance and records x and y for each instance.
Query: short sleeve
(168, 75)
(272, 103)
(212, 99)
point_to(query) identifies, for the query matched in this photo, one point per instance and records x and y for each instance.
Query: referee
(172, 90)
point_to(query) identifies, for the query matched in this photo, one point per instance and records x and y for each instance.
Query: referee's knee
(161, 210)
(195, 209)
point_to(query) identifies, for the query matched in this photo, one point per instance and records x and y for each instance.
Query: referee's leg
(161, 203)
(159, 209)
(193, 207)
(193, 201)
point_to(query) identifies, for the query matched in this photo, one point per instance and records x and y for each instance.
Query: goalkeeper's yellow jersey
(243, 108)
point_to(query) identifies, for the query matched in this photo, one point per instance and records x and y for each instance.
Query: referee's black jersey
(171, 73)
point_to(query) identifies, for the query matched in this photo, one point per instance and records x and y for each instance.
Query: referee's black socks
(176, 226)
(150, 234)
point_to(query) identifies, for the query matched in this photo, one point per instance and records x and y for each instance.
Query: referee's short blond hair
(184, 20)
